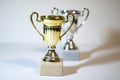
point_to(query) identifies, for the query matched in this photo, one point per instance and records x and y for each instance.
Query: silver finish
(70, 45)
(55, 11)
(82, 14)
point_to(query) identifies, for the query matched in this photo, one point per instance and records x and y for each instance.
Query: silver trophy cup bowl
(70, 45)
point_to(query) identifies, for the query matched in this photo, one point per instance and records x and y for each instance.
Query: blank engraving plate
(71, 55)
(51, 68)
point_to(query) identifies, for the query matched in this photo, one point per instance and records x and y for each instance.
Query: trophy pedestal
(51, 68)
(71, 55)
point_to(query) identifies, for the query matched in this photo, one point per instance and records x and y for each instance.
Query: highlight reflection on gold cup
(52, 25)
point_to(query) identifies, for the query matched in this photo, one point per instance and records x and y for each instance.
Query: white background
(15, 25)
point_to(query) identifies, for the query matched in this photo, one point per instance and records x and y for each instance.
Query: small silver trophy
(70, 50)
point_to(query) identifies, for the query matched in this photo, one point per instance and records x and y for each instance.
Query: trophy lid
(76, 12)
(51, 17)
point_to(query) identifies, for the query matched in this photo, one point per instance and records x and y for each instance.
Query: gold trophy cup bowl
(52, 25)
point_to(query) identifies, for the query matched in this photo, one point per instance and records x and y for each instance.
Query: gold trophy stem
(51, 55)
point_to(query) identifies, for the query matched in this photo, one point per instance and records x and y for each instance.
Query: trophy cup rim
(70, 11)
(51, 17)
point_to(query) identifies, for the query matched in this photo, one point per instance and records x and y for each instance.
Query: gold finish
(50, 23)
(35, 13)
(51, 32)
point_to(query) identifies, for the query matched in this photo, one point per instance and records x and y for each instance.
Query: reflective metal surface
(70, 45)
(52, 26)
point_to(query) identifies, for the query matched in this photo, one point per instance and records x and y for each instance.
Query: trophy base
(71, 55)
(51, 68)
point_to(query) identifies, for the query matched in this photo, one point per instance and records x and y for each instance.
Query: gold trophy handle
(70, 24)
(31, 18)
(83, 22)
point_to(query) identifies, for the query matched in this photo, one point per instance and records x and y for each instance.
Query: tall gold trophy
(51, 65)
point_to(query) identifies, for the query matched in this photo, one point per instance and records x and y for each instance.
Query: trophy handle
(31, 18)
(55, 11)
(83, 22)
(70, 24)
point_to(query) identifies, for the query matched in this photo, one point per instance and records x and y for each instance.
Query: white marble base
(51, 68)
(71, 55)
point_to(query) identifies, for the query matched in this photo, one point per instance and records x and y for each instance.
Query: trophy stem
(51, 55)
(70, 45)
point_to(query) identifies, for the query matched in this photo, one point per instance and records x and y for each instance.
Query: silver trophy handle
(69, 25)
(55, 11)
(82, 14)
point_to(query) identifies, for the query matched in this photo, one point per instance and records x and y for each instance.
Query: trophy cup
(51, 64)
(70, 50)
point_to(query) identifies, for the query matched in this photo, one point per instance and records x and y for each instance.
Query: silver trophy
(70, 48)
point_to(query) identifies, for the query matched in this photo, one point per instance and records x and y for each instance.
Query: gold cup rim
(51, 17)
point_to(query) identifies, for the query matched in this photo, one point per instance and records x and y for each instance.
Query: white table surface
(22, 62)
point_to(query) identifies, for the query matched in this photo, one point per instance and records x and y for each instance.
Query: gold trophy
(52, 25)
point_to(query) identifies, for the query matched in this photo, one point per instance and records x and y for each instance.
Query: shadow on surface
(112, 41)
(26, 63)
